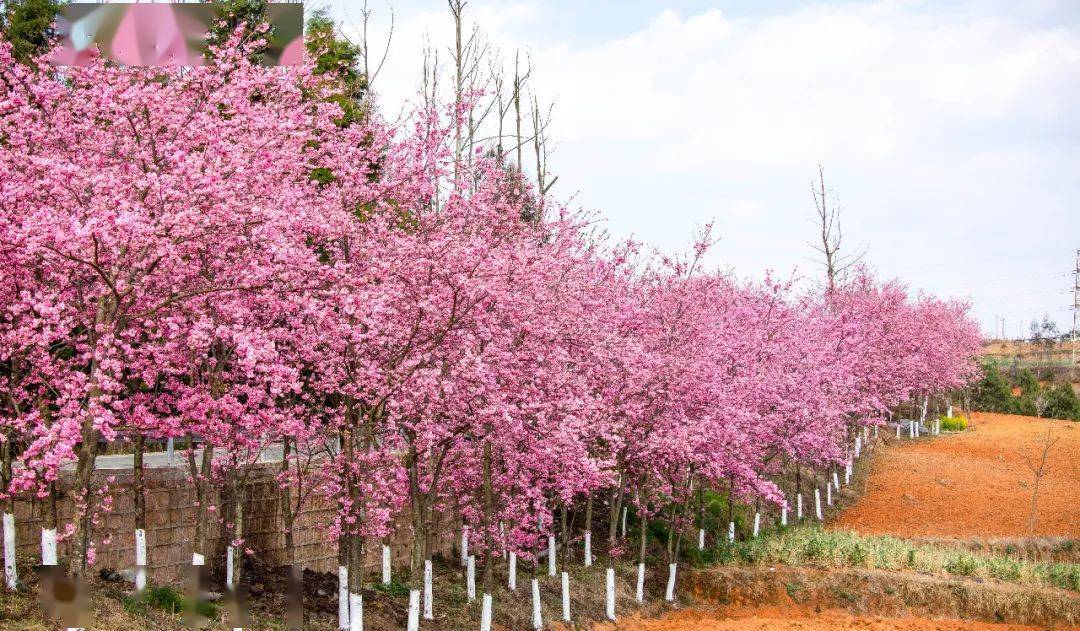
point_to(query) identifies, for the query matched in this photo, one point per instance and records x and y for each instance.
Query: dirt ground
(976, 483)
(807, 619)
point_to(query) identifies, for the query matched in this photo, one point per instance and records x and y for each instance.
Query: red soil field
(807, 619)
(974, 484)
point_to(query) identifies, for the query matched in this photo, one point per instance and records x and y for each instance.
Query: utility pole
(1076, 309)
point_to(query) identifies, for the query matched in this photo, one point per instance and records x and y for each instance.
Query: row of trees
(227, 254)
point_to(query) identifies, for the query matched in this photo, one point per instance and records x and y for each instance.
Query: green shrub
(962, 564)
(953, 423)
(167, 599)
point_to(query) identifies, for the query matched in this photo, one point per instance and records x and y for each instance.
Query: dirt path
(974, 483)
(774, 619)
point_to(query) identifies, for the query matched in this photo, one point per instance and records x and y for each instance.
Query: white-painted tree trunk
(798, 507)
(485, 613)
(817, 503)
(640, 591)
(48, 547)
(783, 516)
(847, 474)
(898, 430)
(140, 559)
(925, 404)
(731, 531)
(836, 480)
(565, 597)
(512, 580)
(669, 594)
(229, 552)
(356, 612)
(464, 546)
(470, 578)
(343, 597)
(858, 446)
(757, 524)
(610, 609)
(911, 429)
(949, 413)
(828, 493)
(11, 574)
(387, 569)
(624, 509)
(502, 538)
(551, 555)
(875, 431)
(701, 539)
(428, 596)
(414, 610)
(538, 621)
(588, 548)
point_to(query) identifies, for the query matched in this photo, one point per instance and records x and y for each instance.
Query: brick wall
(170, 517)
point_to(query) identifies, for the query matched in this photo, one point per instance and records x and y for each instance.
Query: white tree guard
(836, 480)
(537, 619)
(356, 612)
(48, 547)
(414, 610)
(817, 503)
(140, 559)
(669, 593)
(428, 596)
(828, 493)
(470, 578)
(798, 507)
(847, 473)
(639, 593)
(701, 539)
(229, 552)
(387, 569)
(485, 613)
(551, 555)
(11, 575)
(731, 531)
(757, 524)
(565, 597)
(512, 580)
(343, 597)
(588, 548)
(610, 600)
(783, 516)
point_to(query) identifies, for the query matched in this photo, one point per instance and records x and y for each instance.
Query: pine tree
(28, 25)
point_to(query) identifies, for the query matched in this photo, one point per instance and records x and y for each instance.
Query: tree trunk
(489, 510)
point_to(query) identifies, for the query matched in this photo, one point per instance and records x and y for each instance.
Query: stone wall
(170, 517)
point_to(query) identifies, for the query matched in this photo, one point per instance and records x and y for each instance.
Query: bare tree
(365, 53)
(1038, 467)
(826, 203)
(541, 118)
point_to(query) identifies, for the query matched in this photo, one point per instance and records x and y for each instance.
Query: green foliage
(233, 13)
(393, 589)
(28, 25)
(993, 393)
(167, 599)
(956, 423)
(1028, 383)
(337, 59)
(962, 564)
(816, 547)
(1062, 402)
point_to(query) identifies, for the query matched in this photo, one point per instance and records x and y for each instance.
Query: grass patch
(393, 589)
(169, 600)
(813, 546)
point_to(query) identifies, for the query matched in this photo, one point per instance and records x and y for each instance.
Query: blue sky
(949, 130)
